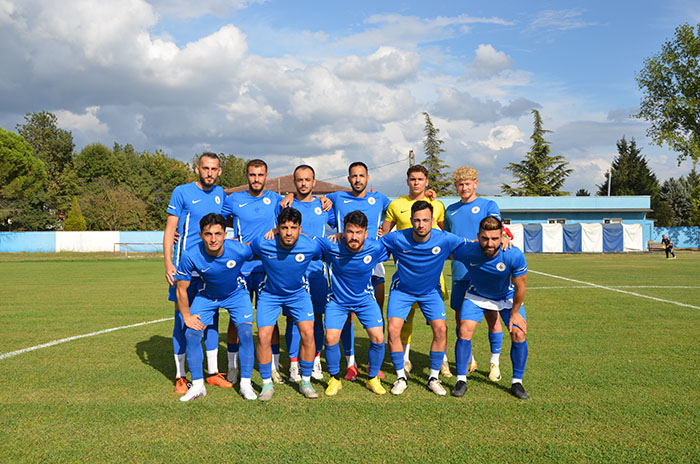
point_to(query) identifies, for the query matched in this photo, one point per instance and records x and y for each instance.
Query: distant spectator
(668, 247)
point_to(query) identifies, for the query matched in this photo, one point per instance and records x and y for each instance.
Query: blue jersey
(285, 268)
(219, 274)
(419, 265)
(491, 277)
(189, 204)
(351, 273)
(313, 223)
(252, 218)
(463, 219)
(373, 204)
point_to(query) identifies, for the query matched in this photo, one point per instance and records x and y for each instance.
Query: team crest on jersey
(501, 267)
(230, 263)
(436, 250)
(217, 200)
(266, 201)
(476, 209)
(299, 258)
(318, 210)
(367, 259)
(371, 200)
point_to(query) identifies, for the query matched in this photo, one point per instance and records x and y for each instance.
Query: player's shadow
(420, 361)
(157, 352)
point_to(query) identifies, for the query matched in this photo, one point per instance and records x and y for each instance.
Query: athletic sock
(444, 359)
(275, 356)
(212, 361)
(318, 335)
(194, 353)
(306, 368)
(265, 370)
(198, 383)
(292, 338)
(406, 351)
(247, 350)
(232, 354)
(350, 360)
(516, 381)
(495, 341)
(495, 358)
(518, 356)
(376, 357)
(333, 359)
(463, 378)
(180, 365)
(463, 350)
(245, 382)
(347, 338)
(436, 361)
(398, 362)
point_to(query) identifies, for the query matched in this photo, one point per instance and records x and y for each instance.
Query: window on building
(556, 221)
(612, 220)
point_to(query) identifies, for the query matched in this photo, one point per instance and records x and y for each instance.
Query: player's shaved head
(208, 154)
(305, 166)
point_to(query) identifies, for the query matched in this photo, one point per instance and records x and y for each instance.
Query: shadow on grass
(157, 352)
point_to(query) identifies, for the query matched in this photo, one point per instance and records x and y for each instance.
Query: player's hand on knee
(194, 323)
(517, 320)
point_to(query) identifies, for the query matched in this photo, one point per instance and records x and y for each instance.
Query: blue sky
(328, 83)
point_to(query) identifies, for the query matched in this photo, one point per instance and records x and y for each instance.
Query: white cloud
(187, 9)
(501, 137)
(87, 122)
(387, 65)
(560, 20)
(488, 62)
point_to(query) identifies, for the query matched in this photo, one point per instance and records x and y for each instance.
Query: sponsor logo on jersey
(476, 209)
(217, 200)
(436, 250)
(202, 271)
(230, 263)
(371, 200)
(266, 201)
(299, 258)
(246, 316)
(241, 205)
(404, 211)
(367, 259)
(194, 202)
(347, 201)
(501, 267)
(453, 213)
(318, 210)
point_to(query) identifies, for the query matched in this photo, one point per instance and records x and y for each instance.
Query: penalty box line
(603, 287)
(77, 337)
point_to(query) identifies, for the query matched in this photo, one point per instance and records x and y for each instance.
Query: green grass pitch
(613, 377)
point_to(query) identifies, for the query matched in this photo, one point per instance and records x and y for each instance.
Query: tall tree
(676, 193)
(540, 173)
(437, 179)
(671, 89)
(75, 220)
(629, 172)
(108, 206)
(583, 193)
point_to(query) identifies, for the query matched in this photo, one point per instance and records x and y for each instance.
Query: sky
(329, 83)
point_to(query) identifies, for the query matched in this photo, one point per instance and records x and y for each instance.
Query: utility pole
(411, 161)
(609, 180)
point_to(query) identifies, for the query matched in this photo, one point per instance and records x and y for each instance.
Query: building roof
(285, 184)
(567, 204)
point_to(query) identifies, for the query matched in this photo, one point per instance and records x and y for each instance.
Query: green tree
(437, 179)
(671, 102)
(629, 172)
(540, 173)
(75, 220)
(676, 193)
(109, 206)
(583, 193)
(22, 175)
(95, 161)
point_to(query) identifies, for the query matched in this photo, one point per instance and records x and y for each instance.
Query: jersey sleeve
(448, 223)
(454, 241)
(227, 208)
(391, 213)
(518, 263)
(246, 252)
(439, 211)
(389, 240)
(381, 253)
(175, 205)
(385, 201)
(493, 210)
(185, 268)
(466, 251)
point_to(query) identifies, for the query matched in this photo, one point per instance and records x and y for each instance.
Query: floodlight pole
(609, 181)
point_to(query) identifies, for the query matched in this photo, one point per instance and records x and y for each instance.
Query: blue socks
(292, 338)
(463, 351)
(265, 370)
(436, 358)
(518, 356)
(333, 359)
(211, 334)
(376, 357)
(247, 352)
(306, 368)
(495, 340)
(347, 338)
(397, 359)
(319, 336)
(195, 356)
(179, 340)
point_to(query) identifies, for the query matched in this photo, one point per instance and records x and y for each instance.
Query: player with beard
(497, 283)
(188, 204)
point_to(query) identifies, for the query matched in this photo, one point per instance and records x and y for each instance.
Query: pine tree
(540, 173)
(75, 219)
(437, 180)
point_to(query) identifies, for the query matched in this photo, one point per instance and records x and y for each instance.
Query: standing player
(218, 263)
(399, 214)
(373, 205)
(188, 204)
(352, 260)
(285, 261)
(463, 218)
(419, 254)
(253, 212)
(497, 285)
(313, 223)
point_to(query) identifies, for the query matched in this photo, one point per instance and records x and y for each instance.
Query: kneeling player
(352, 261)
(218, 262)
(497, 284)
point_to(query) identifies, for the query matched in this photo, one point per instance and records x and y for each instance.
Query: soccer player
(668, 246)
(419, 254)
(253, 212)
(218, 263)
(463, 218)
(188, 204)
(352, 261)
(497, 284)
(399, 214)
(313, 223)
(285, 261)
(373, 205)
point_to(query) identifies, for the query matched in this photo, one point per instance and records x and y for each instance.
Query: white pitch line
(77, 337)
(614, 286)
(661, 300)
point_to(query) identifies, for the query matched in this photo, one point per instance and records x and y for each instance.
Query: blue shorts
(238, 305)
(378, 274)
(368, 314)
(431, 305)
(471, 312)
(195, 286)
(318, 286)
(459, 291)
(253, 280)
(297, 306)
